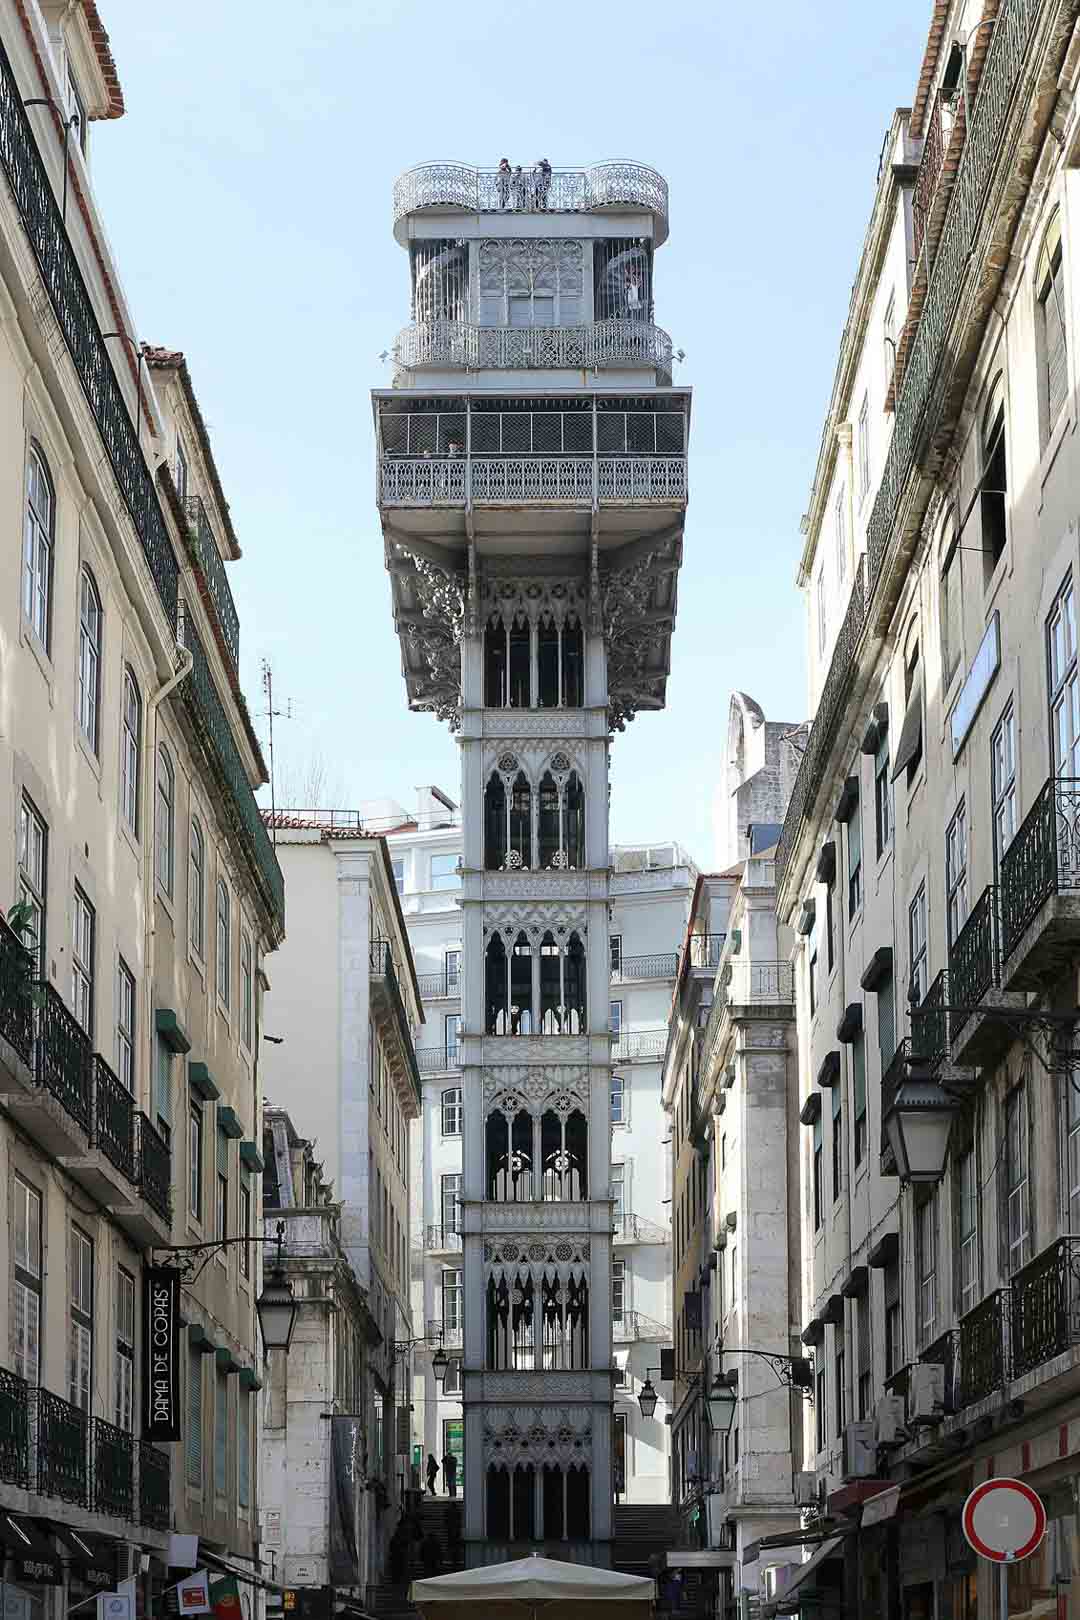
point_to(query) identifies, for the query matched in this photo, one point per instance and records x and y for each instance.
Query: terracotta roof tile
(105, 61)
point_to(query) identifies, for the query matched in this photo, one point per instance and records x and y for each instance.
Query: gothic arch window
(574, 822)
(564, 1150)
(519, 851)
(510, 1156)
(550, 985)
(508, 999)
(496, 987)
(561, 817)
(495, 651)
(549, 822)
(573, 664)
(507, 818)
(564, 1310)
(511, 1323)
(534, 282)
(511, 1503)
(574, 1022)
(495, 811)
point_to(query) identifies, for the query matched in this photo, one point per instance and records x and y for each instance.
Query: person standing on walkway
(432, 1470)
(449, 1473)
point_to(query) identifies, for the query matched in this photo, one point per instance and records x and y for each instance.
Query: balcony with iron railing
(1040, 887)
(438, 1060)
(637, 1229)
(1046, 1306)
(442, 1239)
(16, 1001)
(926, 199)
(114, 1118)
(660, 965)
(154, 1506)
(984, 1348)
(639, 1046)
(439, 986)
(977, 1035)
(450, 1335)
(890, 1085)
(14, 1430)
(386, 992)
(154, 1167)
(632, 1326)
(461, 188)
(930, 1025)
(924, 390)
(945, 1353)
(602, 345)
(212, 568)
(113, 1475)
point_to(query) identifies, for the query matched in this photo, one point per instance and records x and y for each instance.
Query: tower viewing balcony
(461, 188)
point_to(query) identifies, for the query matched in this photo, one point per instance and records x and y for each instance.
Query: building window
(863, 1362)
(822, 616)
(444, 872)
(888, 338)
(27, 1301)
(618, 1100)
(882, 795)
(195, 1148)
(162, 1088)
(615, 943)
(994, 484)
(452, 1112)
(451, 1204)
(38, 546)
(926, 1268)
(453, 1300)
(130, 751)
(83, 930)
(221, 1434)
(452, 969)
(819, 1189)
(193, 1426)
(917, 946)
(1003, 781)
(841, 1380)
(967, 1229)
(617, 1179)
(1050, 330)
(451, 1025)
(864, 446)
(886, 1023)
(837, 1141)
(956, 872)
(812, 979)
(90, 619)
(81, 1324)
(221, 1203)
(125, 1025)
(854, 855)
(197, 889)
(243, 1449)
(247, 992)
(840, 518)
(245, 1227)
(894, 1324)
(124, 1401)
(1017, 1212)
(224, 942)
(820, 1429)
(615, 1018)
(165, 822)
(33, 867)
(397, 868)
(858, 1092)
(951, 609)
(1064, 690)
(830, 937)
(452, 1378)
(618, 1290)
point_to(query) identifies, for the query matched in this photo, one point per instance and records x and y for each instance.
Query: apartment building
(141, 893)
(927, 857)
(345, 1003)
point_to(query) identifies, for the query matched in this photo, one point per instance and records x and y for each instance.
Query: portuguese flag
(225, 1598)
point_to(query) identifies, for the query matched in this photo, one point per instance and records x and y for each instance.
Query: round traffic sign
(1004, 1520)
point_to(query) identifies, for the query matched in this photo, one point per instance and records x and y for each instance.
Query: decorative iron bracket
(191, 1259)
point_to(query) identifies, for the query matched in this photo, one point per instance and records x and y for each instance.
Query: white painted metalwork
(602, 185)
(517, 480)
(605, 343)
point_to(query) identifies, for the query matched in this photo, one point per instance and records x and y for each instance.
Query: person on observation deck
(502, 182)
(517, 188)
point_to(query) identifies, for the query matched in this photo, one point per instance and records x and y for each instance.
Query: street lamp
(918, 1124)
(440, 1361)
(720, 1403)
(276, 1310)
(647, 1398)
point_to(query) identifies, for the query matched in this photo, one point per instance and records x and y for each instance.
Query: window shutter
(910, 746)
(1056, 369)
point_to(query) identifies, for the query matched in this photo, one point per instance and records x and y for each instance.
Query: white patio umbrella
(531, 1586)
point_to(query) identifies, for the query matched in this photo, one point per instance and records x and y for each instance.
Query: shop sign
(161, 1353)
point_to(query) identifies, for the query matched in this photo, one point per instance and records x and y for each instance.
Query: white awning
(531, 1580)
(788, 1602)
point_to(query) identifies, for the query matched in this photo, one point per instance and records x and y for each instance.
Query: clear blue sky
(247, 194)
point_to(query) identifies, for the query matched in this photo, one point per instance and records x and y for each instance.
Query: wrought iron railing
(438, 1059)
(14, 1429)
(441, 1239)
(61, 1445)
(634, 1325)
(114, 1470)
(601, 185)
(984, 1349)
(930, 1024)
(636, 1229)
(1043, 858)
(210, 563)
(662, 965)
(16, 1002)
(382, 967)
(811, 773)
(745, 983)
(74, 310)
(974, 965)
(154, 1168)
(890, 1085)
(451, 1335)
(1046, 1306)
(205, 705)
(933, 155)
(62, 1055)
(644, 1044)
(945, 1353)
(605, 343)
(154, 1507)
(439, 984)
(480, 431)
(532, 479)
(114, 1118)
(703, 951)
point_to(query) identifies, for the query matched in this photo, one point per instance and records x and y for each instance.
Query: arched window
(509, 1151)
(548, 638)
(511, 1337)
(508, 987)
(224, 942)
(574, 1022)
(521, 1000)
(994, 484)
(165, 821)
(550, 986)
(507, 819)
(130, 751)
(496, 987)
(38, 546)
(511, 1503)
(561, 833)
(1051, 329)
(495, 664)
(89, 657)
(197, 889)
(494, 823)
(549, 822)
(564, 1312)
(451, 1110)
(574, 822)
(573, 664)
(564, 1157)
(618, 1099)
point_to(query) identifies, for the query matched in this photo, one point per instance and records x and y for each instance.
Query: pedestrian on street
(432, 1470)
(449, 1473)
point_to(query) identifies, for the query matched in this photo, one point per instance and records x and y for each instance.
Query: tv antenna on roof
(271, 713)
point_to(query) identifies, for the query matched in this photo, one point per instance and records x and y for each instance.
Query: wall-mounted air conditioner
(860, 1450)
(889, 1420)
(926, 1393)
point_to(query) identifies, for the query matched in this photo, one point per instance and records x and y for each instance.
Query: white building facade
(532, 515)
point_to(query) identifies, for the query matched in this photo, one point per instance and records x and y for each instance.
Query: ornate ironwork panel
(62, 1055)
(437, 1059)
(703, 950)
(929, 168)
(973, 957)
(212, 568)
(114, 1470)
(930, 1024)
(154, 1507)
(74, 310)
(114, 1118)
(204, 703)
(643, 1045)
(16, 1004)
(984, 1360)
(1046, 1306)
(945, 1353)
(155, 1168)
(606, 343)
(660, 966)
(890, 1084)
(383, 969)
(1043, 858)
(63, 1450)
(14, 1429)
(603, 185)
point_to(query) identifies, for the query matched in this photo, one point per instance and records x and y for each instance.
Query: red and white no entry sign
(1004, 1520)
